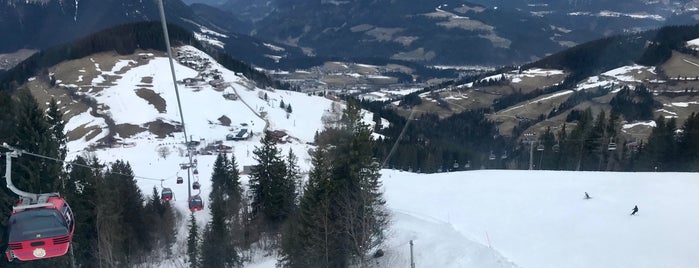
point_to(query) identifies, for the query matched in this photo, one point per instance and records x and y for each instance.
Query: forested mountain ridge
(44, 24)
(625, 85)
(124, 39)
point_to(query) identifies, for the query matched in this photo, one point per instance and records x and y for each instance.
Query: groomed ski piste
(485, 218)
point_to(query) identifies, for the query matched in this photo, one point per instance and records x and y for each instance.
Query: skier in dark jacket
(587, 196)
(635, 209)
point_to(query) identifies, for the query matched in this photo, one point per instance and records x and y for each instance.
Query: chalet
(242, 134)
(230, 96)
(217, 83)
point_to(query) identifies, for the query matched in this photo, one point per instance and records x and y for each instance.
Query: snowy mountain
(124, 107)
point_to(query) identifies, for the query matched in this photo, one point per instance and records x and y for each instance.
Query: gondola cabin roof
(54, 202)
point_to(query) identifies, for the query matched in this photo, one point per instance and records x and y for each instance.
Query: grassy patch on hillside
(153, 99)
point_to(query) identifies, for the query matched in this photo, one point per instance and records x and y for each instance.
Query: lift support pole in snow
(412, 261)
(531, 138)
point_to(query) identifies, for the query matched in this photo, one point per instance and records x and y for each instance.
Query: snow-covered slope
(540, 219)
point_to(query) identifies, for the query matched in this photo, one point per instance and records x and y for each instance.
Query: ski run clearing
(487, 218)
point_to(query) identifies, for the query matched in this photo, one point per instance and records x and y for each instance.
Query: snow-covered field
(540, 219)
(488, 218)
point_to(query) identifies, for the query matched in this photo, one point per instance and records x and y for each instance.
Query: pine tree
(661, 146)
(218, 249)
(293, 174)
(33, 135)
(288, 108)
(54, 118)
(613, 157)
(84, 191)
(596, 143)
(167, 229)
(578, 140)
(547, 156)
(363, 218)
(281, 104)
(162, 215)
(342, 214)
(272, 192)
(131, 236)
(688, 144)
(193, 243)
(309, 239)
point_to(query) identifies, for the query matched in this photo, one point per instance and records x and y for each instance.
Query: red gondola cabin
(196, 185)
(40, 231)
(166, 195)
(180, 180)
(195, 203)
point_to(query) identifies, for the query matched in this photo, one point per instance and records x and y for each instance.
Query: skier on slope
(587, 196)
(635, 209)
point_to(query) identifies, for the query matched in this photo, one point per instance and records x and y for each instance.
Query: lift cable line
(21, 152)
(400, 136)
(172, 65)
(177, 92)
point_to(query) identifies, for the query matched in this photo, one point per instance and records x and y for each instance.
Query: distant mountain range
(482, 32)
(291, 34)
(42, 24)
